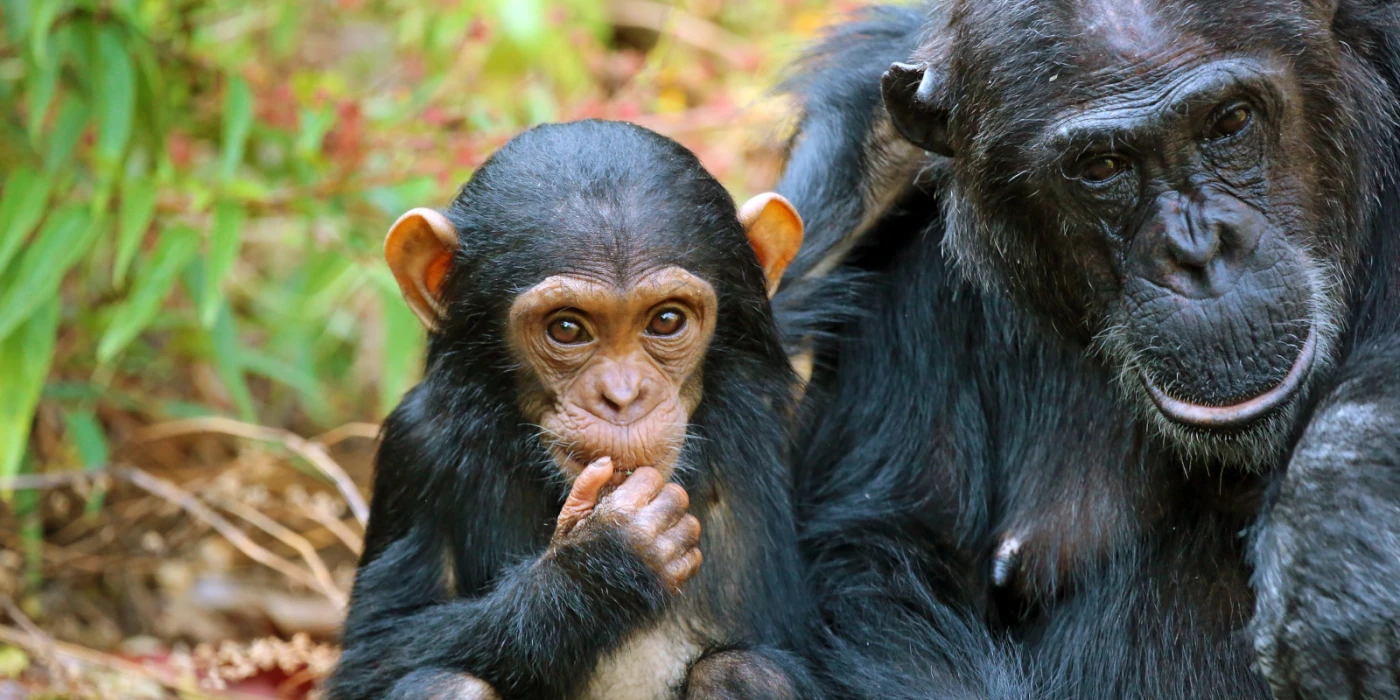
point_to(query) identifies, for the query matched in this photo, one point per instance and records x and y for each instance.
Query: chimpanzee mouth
(1243, 413)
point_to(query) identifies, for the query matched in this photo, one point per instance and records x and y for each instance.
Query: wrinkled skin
(1128, 347)
(624, 383)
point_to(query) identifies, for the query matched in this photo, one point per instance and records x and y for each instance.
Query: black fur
(465, 498)
(985, 512)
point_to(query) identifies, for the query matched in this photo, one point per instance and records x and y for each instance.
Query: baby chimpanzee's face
(615, 364)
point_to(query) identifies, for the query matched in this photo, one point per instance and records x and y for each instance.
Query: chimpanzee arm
(1327, 555)
(847, 164)
(534, 634)
(533, 630)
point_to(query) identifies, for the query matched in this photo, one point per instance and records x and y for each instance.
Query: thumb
(584, 494)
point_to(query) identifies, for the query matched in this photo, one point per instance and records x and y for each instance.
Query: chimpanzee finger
(679, 570)
(678, 539)
(668, 506)
(638, 490)
(584, 494)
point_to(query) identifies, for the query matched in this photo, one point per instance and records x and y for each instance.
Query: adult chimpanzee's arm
(847, 166)
(1327, 555)
(886, 571)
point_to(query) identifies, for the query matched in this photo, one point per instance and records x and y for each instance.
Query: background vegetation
(197, 333)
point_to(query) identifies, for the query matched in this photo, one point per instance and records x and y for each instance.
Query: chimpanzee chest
(650, 665)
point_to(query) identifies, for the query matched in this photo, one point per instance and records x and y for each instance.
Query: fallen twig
(310, 450)
(291, 539)
(235, 536)
(92, 657)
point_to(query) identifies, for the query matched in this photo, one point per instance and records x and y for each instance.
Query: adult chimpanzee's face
(1206, 284)
(1176, 192)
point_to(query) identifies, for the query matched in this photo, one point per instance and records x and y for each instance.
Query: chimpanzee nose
(1196, 248)
(621, 394)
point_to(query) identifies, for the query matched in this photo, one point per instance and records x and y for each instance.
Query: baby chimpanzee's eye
(566, 331)
(666, 322)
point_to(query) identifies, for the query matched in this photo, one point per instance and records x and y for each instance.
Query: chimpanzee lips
(1239, 414)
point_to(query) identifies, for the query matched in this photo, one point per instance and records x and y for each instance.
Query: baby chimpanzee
(605, 398)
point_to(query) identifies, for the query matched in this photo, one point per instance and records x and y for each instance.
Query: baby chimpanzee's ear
(419, 249)
(775, 233)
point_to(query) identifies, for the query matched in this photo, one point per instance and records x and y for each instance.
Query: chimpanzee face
(582, 275)
(1163, 191)
(614, 364)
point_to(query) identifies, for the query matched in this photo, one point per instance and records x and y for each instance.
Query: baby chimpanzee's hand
(647, 512)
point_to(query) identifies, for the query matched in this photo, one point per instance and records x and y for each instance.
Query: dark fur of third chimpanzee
(465, 499)
(949, 417)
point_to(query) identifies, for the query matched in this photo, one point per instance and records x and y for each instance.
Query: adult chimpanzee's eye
(1102, 169)
(1231, 122)
(566, 331)
(667, 322)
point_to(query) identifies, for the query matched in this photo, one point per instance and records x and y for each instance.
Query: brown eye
(1102, 169)
(667, 322)
(1232, 122)
(566, 331)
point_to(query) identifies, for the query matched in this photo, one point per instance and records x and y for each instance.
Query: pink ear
(775, 234)
(419, 251)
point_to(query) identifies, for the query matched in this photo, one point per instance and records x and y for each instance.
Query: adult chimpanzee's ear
(775, 233)
(912, 101)
(419, 249)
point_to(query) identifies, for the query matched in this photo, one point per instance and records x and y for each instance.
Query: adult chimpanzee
(596, 312)
(1117, 413)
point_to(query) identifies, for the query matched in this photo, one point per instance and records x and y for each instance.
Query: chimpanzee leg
(747, 674)
(441, 684)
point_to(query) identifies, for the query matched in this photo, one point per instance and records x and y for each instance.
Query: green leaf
(153, 95)
(114, 96)
(86, 434)
(45, 14)
(223, 343)
(403, 340)
(224, 238)
(62, 240)
(21, 206)
(238, 120)
(229, 364)
(137, 209)
(25, 357)
(17, 14)
(42, 84)
(66, 130)
(178, 245)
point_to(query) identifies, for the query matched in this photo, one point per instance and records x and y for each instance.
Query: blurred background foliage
(192, 199)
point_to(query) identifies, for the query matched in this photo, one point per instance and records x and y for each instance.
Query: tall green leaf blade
(224, 238)
(21, 206)
(60, 243)
(25, 357)
(45, 13)
(137, 209)
(41, 87)
(72, 119)
(86, 435)
(114, 96)
(228, 363)
(85, 432)
(177, 247)
(238, 121)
